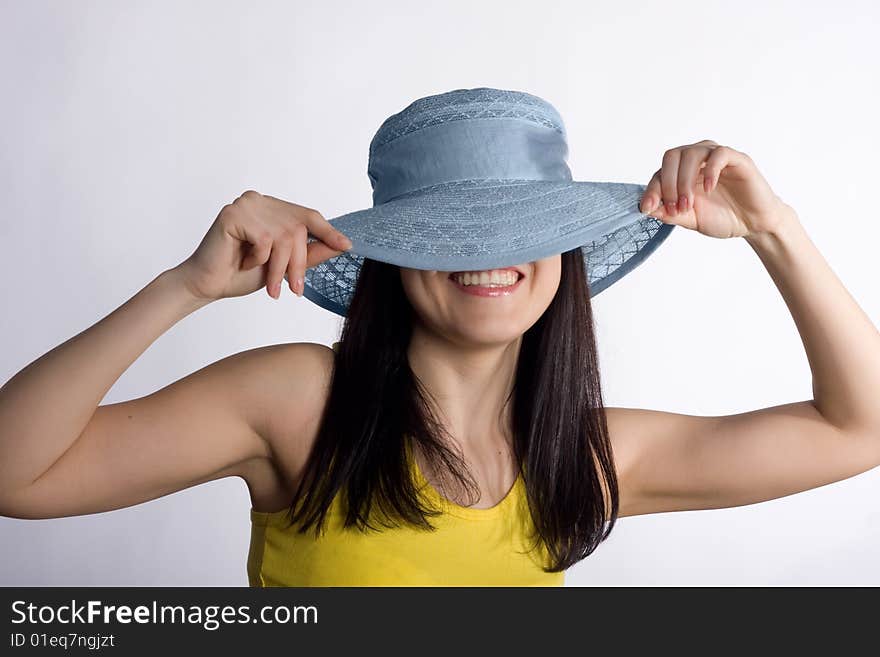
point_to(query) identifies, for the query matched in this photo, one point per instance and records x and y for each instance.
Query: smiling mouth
(506, 278)
(519, 274)
(488, 289)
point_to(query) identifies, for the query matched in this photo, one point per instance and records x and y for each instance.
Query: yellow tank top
(470, 547)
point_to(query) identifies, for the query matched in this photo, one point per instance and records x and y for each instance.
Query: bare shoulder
(297, 367)
(297, 377)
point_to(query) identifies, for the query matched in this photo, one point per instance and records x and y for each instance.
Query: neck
(468, 385)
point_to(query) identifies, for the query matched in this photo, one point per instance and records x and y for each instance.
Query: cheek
(545, 284)
(425, 296)
(546, 276)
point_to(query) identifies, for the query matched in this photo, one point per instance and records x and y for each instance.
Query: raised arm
(61, 454)
(677, 462)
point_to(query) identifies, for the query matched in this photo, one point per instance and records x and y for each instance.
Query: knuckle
(292, 229)
(250, 194)
(284, 240)
(227, 212)
(313, 215)
(264, 239)
(692, 152)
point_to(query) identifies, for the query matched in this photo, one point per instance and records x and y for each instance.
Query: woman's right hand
(253, 242)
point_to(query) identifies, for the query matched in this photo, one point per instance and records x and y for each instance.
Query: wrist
(782, 230)
(175, 278)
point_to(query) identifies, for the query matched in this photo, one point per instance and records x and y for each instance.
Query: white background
(128, 125)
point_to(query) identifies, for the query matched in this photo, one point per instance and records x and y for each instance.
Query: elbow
(15, 505)
(864, 429)
(867, 442)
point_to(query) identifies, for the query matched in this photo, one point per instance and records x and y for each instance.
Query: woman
(476, 414)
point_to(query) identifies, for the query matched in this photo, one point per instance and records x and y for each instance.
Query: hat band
(467, 149)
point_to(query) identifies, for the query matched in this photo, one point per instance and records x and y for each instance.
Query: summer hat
(474, 179)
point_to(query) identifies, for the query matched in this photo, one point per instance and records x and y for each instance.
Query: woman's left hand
(715, 190)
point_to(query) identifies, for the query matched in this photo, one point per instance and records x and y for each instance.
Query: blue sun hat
(475, 179)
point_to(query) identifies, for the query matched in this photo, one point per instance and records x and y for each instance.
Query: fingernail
(298, 284)
(670, 207)
(346, 242)
(682, 203)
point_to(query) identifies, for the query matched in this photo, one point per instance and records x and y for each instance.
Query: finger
(241, 225)
(652, 194)
(692, 159)
(325, 231)
(296, 268)
(315, 222)
(261, 245)
(719, 158)
(318, 252)
(277, 264)
(669, 180)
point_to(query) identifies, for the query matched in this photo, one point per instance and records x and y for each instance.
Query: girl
(456, 434)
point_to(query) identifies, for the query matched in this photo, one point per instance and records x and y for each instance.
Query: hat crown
(467, 134)
(461, 104)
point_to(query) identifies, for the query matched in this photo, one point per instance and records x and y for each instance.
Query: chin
(487, 335)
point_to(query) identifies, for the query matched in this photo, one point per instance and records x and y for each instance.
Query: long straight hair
(375, 402)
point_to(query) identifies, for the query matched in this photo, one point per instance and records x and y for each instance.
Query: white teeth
(494, 277)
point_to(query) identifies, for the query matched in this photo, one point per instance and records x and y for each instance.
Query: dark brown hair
(375, 402)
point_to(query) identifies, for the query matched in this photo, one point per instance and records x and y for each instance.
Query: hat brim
(493, 223)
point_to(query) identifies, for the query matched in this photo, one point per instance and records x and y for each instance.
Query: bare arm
(676, 462)
(61, 454)
(47, 405)
(210, 424)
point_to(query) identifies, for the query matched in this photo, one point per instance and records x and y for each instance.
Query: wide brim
(493, 223)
